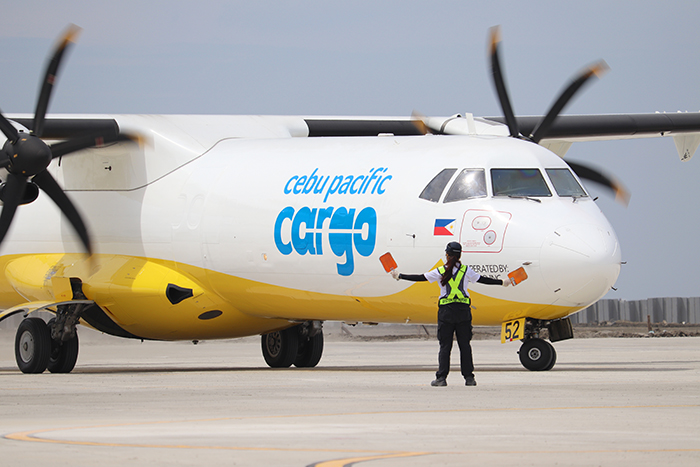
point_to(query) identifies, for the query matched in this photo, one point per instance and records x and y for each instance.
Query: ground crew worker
(454, 310)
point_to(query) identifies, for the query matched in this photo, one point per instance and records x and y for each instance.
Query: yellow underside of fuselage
(131, 291)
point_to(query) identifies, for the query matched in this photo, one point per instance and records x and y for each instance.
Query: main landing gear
(537, 354)
(301, 346)
(54, 345)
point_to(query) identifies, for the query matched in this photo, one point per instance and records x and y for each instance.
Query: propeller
(621, 194)
(26, 157)
(543, 126)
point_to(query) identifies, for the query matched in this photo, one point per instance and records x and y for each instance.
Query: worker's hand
(506, 282)
(395, 274)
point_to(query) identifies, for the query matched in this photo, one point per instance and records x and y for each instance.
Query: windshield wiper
(525, 197)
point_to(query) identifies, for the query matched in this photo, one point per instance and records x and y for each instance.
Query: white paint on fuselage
(202, 194)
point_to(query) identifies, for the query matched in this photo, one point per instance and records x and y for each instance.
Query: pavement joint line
(33, 435)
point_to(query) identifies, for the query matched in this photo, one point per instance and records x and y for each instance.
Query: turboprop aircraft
(188, 227)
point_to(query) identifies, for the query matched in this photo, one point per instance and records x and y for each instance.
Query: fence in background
(672, 310)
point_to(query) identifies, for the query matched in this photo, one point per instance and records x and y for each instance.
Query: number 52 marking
(512, 330)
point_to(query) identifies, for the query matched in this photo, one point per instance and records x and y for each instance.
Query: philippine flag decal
(444, 227)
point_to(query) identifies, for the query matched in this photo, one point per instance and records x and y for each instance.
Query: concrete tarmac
(606, 402)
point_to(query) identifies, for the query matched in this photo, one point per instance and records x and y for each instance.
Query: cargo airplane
(188, 227)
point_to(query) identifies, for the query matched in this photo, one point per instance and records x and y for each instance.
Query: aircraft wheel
(554, 357)
(537, 355)
(32, 345)
(310, 351)
(63, 355)
(280, 348)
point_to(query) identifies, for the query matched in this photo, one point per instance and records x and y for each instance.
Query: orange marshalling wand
(517, 276)
(388, 262)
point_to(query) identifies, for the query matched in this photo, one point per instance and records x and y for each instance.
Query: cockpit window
(470, 183)
(437, 185)
(518, 182)
(564, 183)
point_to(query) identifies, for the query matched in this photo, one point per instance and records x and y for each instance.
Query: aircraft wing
(612, 126)
(566, 129)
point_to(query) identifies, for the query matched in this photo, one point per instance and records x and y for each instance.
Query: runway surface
(607, 402)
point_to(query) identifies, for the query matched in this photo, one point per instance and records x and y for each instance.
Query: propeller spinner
(25, 156)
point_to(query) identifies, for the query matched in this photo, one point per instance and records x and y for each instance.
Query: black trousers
(455, 318)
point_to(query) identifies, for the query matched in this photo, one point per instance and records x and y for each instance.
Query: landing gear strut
(310, 344)
(300, 345)
(64, 353)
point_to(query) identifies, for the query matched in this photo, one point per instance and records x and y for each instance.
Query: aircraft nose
(580, 263)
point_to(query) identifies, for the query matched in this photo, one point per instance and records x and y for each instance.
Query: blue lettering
(318, 189)
(381, 190)
(326, 185)
(365, 183)
(323, 214)
(332, 189)
(304, 244)
(286, 187)
(299, 185)
(309, 184)
(345, 186)
(372, 177)
(377, 182)
(345, 233)
(354, 190)
(368, 217)
(286, 213)
(341, 243)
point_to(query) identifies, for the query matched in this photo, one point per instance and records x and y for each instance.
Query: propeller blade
(543, 127)
(47, 183)
(9, 130)
(87, 141)
(418, 119)
(50, 77)
(621, 194)
(11, 196)
(500, 85)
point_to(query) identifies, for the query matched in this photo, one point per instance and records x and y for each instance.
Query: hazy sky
(389, 58)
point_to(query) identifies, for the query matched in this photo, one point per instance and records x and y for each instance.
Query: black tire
(310, 351)
(32, 346)
(536, 355)
(63, 355)
(554, 357)
(280, 348)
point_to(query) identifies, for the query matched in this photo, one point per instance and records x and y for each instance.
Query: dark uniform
(454, 312)
(455, 317)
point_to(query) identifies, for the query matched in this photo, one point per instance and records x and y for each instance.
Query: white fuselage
(311, 216)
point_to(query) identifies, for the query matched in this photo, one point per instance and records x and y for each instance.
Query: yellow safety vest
(455, 287)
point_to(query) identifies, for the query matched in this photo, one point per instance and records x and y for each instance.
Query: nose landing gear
(537, 354)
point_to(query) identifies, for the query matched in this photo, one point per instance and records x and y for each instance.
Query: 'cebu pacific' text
(327, 185)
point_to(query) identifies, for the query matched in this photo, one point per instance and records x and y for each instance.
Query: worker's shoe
(469, 381)
(439, 382)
